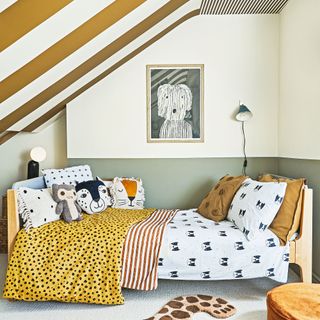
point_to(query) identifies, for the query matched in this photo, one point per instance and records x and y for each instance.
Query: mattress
(195, 248)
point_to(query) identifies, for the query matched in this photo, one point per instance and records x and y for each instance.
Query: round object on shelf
(38, 154)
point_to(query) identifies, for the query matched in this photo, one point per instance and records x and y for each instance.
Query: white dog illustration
(173, 103)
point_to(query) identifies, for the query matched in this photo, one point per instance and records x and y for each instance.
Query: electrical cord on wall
(245, 161)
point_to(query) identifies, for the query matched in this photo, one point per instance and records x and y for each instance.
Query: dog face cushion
(255, 205)
(174, 101)
(127, 193)
(93, 196)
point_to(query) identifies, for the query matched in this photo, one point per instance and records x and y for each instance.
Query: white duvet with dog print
(195, 248)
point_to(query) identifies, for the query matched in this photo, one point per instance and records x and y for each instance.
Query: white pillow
(69, 176)
(255, 205)
(36, 207)
(127, 193)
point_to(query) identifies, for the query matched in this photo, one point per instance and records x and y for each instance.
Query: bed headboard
(34, 183)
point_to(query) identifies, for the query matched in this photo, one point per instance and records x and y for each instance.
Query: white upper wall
(299, 114)
(241, 60)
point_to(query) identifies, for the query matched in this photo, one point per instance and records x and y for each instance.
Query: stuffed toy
(127, 193)
(66, 197)
(93, 196)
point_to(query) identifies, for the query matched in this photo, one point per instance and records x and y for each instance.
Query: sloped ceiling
(53, 51)
(242, 6)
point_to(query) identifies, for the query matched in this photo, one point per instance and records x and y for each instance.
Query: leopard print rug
(185, 307)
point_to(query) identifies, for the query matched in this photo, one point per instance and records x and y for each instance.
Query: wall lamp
(243, 115)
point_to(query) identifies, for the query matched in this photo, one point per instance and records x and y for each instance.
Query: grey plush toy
(66, 197)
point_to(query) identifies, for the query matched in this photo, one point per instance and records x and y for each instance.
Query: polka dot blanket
(72, 262)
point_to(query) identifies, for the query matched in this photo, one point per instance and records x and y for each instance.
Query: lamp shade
(38, 154)
(244, 113)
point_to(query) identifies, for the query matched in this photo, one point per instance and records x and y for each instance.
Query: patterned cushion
(216, 204)
(255, 205)
(71, 175)
(36, 207)
(93, 196)
(127, 193)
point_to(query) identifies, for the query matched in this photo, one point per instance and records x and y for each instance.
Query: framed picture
(175, 103)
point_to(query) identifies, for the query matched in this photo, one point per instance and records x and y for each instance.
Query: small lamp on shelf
(243, 115)
(37, 154)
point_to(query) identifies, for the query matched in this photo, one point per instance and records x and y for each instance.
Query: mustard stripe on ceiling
(4, 4)
(66, 46)
(90, 64)
(48, 33)
(7, 136)
(47, 116)
(23, 16)
(50, 114)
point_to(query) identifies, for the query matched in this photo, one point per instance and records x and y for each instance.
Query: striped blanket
(141, 251)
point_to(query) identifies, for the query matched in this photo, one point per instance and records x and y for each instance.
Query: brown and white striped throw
(141, 251)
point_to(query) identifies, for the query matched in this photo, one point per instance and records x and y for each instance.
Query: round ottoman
(294, 301)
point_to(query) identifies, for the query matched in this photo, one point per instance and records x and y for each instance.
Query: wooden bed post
(13, 220)
(301, 248)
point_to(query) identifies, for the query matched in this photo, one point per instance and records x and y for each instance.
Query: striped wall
(56, 50)
(37, 12)
(4, 4)
(242, 6)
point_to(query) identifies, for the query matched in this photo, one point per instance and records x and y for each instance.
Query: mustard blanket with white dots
(72, 262)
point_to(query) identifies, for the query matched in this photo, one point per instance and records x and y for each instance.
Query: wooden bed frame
(300, 248)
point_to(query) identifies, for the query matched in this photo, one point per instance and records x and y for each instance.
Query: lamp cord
(245, 161)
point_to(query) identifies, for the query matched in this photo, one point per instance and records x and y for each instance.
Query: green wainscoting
(182, 183)
(176, 183)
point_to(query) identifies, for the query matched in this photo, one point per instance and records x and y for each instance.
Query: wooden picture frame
(175, 94)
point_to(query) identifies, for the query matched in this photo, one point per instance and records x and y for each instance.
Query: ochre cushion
(294, 301)
(216, 204)
(287, 220)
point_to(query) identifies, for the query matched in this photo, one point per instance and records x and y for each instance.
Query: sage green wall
(310, 169)
(15, 153)
(176, 183)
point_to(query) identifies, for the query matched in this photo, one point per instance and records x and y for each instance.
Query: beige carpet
(248, 296)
